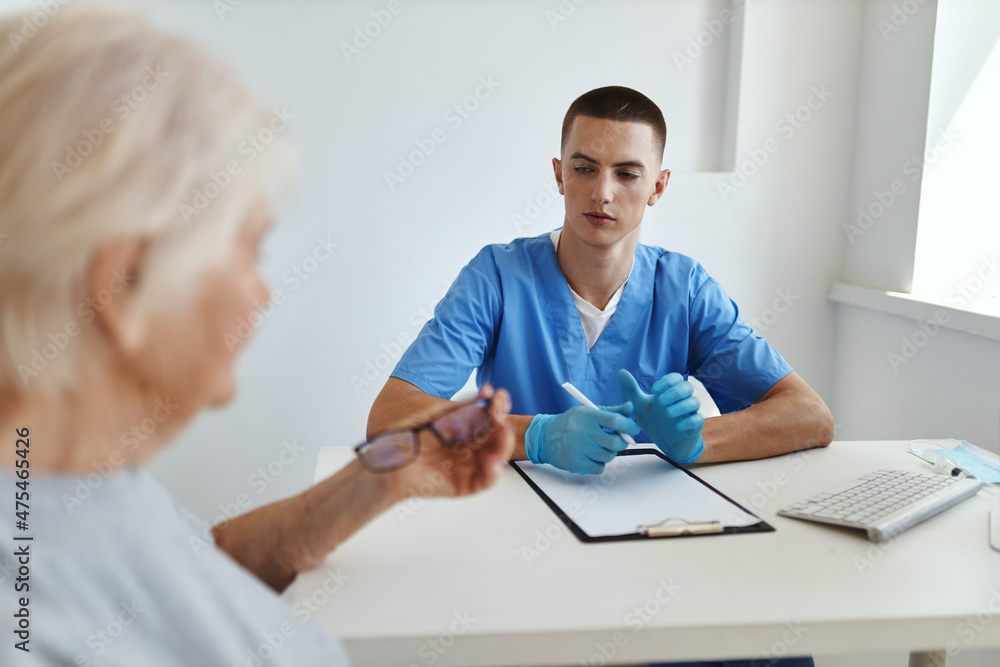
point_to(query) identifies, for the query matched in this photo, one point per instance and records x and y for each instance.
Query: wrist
(699, 449)
(389, 487)
(534, 438)
(331, 511)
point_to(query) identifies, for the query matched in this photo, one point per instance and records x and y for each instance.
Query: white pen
(578, 395)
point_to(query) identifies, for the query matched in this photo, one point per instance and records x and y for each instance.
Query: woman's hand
(279, 540)
(464, 469)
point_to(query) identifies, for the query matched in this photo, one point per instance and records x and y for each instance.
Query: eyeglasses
(395, 449)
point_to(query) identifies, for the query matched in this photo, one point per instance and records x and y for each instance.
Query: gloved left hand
(669, 415)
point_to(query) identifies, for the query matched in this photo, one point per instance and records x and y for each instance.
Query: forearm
(401, 402)
(258, 541)
(784, 422)
(278, 541)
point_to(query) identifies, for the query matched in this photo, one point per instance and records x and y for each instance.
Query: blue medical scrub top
(510, 316)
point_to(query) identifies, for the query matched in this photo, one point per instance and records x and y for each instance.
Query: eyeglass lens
(390, 451)
(465, 424)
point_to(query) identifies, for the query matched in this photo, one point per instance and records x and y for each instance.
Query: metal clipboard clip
(661, 529)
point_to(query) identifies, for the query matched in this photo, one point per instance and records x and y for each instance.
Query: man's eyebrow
(629, 163)
(581, 156)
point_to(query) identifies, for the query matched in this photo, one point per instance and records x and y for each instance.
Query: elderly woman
(136, 180)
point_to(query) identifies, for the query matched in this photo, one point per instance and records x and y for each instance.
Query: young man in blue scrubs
(624, 322)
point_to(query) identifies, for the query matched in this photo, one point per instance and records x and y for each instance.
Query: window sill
(906, 305)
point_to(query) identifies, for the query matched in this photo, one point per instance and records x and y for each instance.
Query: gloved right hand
(576, 440)
(669, 415)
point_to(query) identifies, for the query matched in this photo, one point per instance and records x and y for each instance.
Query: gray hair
(110, 129)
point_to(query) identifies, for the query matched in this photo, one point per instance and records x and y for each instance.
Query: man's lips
(598, 219)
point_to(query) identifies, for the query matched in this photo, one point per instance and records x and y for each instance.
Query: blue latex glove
(669, 415)
(576, 440)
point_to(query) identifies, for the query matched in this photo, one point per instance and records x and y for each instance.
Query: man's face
(609, 173)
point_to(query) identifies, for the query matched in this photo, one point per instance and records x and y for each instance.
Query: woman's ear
(112, 282)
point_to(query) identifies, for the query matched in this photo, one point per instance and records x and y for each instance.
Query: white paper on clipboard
(632, 491)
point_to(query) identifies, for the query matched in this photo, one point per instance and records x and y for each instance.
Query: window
(957, 261)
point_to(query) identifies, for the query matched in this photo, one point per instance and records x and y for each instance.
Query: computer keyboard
(886, 502)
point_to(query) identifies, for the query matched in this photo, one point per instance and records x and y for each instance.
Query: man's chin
(602, 237)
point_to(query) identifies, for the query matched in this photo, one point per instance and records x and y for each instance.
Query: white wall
(949, 388)
(774, 238)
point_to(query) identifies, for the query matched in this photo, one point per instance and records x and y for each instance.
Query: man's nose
(604, 189)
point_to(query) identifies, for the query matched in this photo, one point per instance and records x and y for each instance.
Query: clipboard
(617, 515)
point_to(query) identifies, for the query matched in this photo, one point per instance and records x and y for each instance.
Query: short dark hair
(620, 104)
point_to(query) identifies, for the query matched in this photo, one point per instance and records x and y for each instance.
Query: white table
(496, 579)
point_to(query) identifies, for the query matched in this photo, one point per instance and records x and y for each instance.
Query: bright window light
(957, 259)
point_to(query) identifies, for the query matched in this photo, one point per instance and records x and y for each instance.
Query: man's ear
(112, 281)
(557, 167)
(661, 185)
